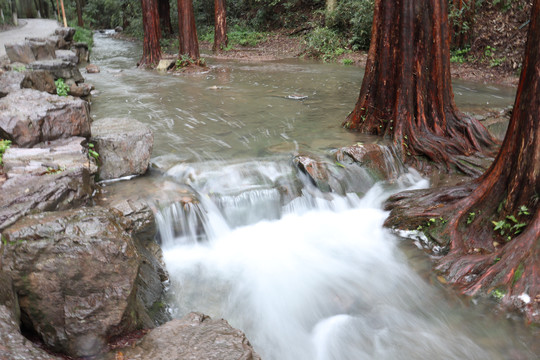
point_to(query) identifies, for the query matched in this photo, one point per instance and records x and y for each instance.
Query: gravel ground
(30, 28)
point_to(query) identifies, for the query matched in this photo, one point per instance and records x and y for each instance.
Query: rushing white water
(326, 282)
(307, 275)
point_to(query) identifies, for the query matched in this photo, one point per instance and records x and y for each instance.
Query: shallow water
(247, 237)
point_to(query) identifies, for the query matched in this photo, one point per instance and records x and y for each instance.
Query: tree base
(506, 271)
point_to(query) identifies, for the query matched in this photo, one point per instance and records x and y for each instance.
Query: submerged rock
(380, 160)
(124, 146)
(28, 117)
(80, 278)
(195, 336)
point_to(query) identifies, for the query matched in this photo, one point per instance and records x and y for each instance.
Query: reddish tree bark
(152, 34)
(407, 94)
(187, 32)
(493, 228)
(164, 9)
(220, 33)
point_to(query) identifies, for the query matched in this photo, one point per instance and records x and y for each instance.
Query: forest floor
(494, 54)
(279, 45)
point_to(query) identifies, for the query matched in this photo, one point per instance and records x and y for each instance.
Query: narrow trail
(31, 28)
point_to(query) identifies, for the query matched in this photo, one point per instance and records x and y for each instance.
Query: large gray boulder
(10, 81)
(43, 48)
(67, 55)
(77, 275)
(20, 52)
(124, 146)
(13, 345)
(28, 117)
(82, 51)
(66, 33)
(194, 337)
(55, 176)
(58, 68)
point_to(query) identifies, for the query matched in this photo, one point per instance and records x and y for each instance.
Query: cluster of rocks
(56, 55)
(74, 274)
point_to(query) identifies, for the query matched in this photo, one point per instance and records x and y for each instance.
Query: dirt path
(31, 28)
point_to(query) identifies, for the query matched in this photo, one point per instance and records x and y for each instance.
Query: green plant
(460, 55)
(324, 43)
(62, 89)
(353, 19)
(19, 68)
(511, 225)
(498, 294)
(471, 217)
(4, 145)
(92, 152)
(84, 35)
(347, 62)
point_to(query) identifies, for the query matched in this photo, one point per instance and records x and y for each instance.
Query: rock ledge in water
(195, 336)
(124, 146)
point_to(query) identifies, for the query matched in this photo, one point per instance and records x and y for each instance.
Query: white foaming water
(324, 283)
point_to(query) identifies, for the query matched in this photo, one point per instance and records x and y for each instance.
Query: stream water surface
(305, 274)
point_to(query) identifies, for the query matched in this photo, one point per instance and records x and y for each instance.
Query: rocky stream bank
(76, 277)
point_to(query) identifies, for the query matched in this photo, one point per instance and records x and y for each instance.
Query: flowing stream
(247, 237)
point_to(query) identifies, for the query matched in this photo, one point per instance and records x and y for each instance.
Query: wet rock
(43, 48)
(118, 29)
(78, 277)
(9, 82)
(124, 146)
(92, 69)
(315, 169)
(20, 53)
(56, 176)
(81, 49)
(13, 345)
(81, 90)
(66, 33)
(380, 160)
(39, 80)
(59, 69)
(195, 336)
(28, 117)
(165, 64)
(67, 55)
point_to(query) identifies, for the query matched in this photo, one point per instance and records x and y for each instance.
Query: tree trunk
(406, 93)
(63, 13)
(187, 32)
(463, 27)
(79, 6)
(493, 229)
(164, 9)
(220, 33)
(152, 34)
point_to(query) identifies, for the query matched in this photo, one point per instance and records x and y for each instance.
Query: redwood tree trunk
(187, 32)
(152, 34)
(164, 9)
(407, 94)
(493, 229)
(220, 33)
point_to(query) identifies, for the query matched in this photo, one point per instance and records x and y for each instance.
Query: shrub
(324, 43)
(353, 19)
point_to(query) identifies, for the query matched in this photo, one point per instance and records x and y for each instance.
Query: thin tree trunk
(493, 224)
(164, 9)
(187, 32)
(63, 12)
(406, 92)
(152, 34)
(220, 33)
(79, 6)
